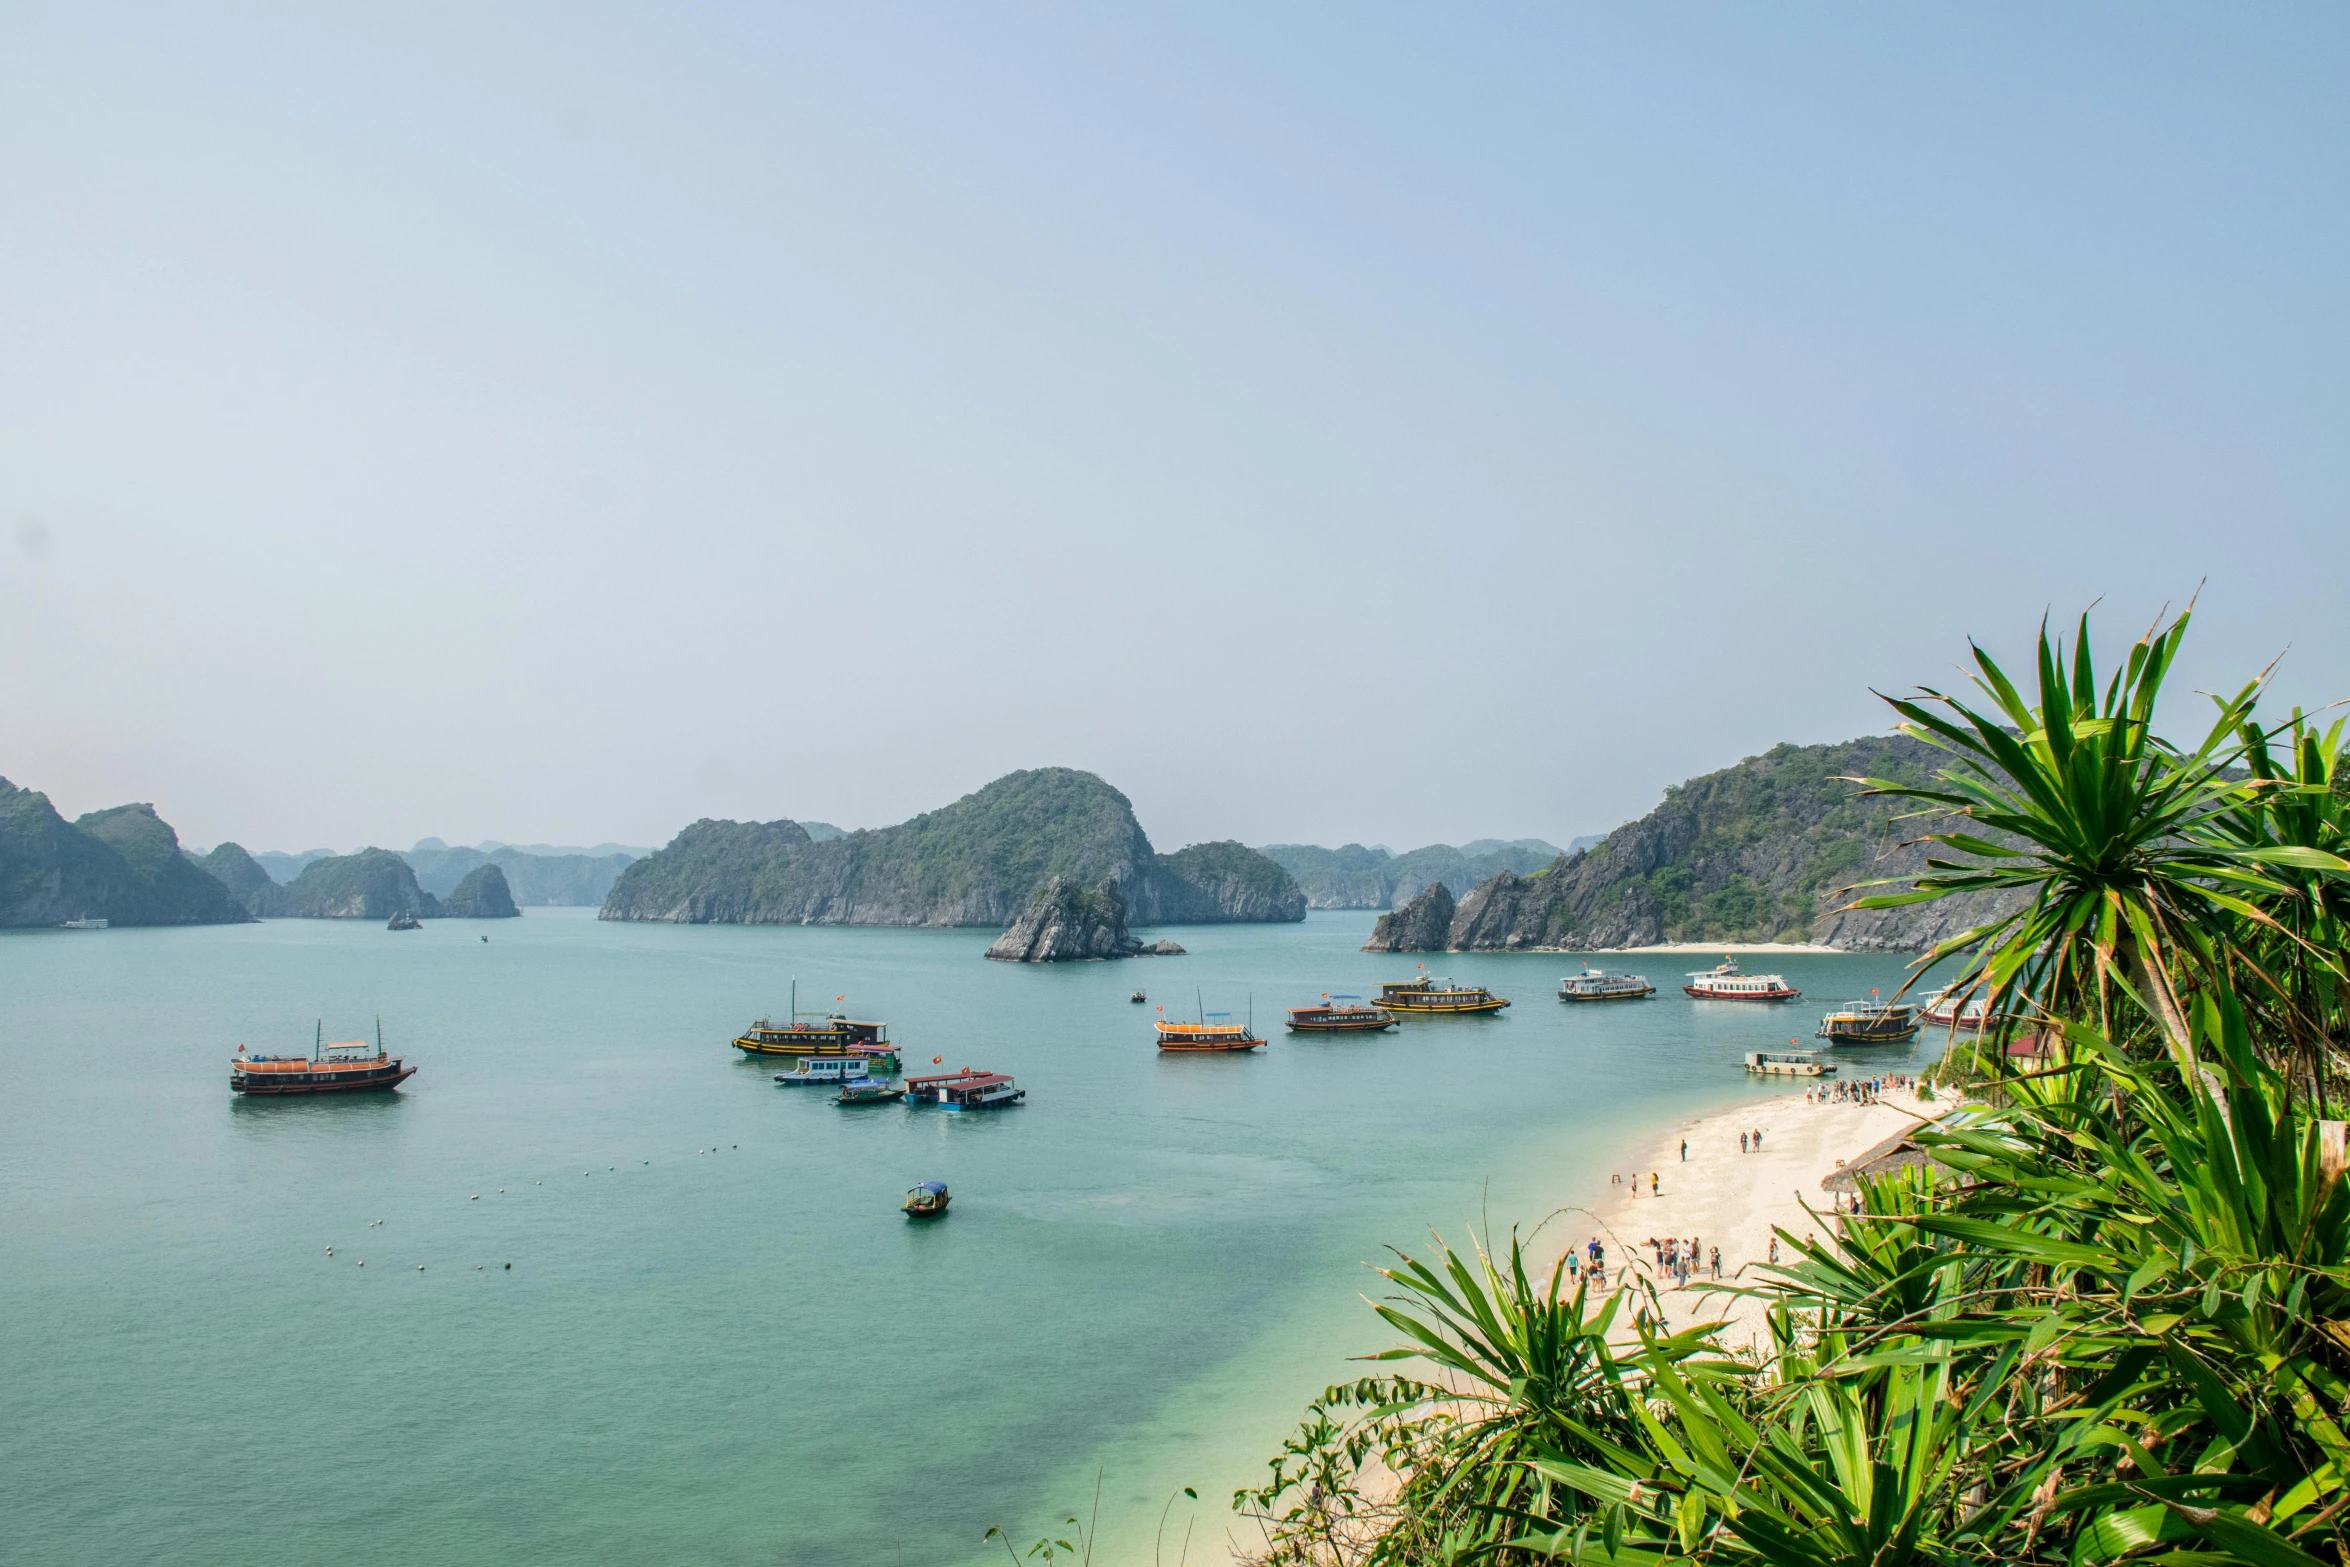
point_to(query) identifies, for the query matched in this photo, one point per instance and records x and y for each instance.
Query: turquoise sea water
(719, 1342)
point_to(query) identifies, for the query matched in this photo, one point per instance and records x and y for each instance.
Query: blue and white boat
(826, 1072)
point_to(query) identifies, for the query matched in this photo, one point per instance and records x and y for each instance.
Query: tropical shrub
(2109, 1322)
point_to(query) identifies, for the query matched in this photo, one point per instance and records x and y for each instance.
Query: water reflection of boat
(1729, 982)
(1340, 1015)
(1595, 984)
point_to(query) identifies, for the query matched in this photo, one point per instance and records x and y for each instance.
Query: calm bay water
(719, 1342)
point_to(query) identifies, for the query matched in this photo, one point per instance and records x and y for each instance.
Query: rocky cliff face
(152, 850)
(975, 862)
(1763, 851)
(1217, 883)
(124, 866)
(373, 884)
(1419, 926)
(482, 895)
(1066, 923)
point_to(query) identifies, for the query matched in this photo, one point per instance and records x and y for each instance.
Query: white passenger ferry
(1943, 1009)
(1731, 983)
(1595, 984)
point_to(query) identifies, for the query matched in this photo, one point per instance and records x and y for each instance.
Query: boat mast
(318, 1042)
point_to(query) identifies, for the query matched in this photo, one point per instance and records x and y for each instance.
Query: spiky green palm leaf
(2110, 835)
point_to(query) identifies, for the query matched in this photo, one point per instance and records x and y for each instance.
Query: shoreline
(1731, 1199)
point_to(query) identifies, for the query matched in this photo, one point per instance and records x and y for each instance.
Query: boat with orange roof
(1209, 1035)
(342, 1067)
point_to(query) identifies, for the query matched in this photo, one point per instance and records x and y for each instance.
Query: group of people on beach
(1592, 1265)
(1864, 1092)
(1681, 1262)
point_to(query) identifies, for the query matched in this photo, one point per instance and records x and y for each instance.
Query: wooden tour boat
(1208, 1035)
(1731, 983)
(831, 1034)
(1870, 1022)
(342, 1067)
(1429, 995)
(1945, 1009)
(969, 1089)
(927, 1201)
(1788, 1063)
(1596, 984)
(1340, 1015)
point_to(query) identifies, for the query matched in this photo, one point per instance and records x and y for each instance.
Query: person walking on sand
(1715, 1256)
(1652, 1184)
(1758, 1139)
(1684, 1150)
(1774, 1248)
(1742, 1142)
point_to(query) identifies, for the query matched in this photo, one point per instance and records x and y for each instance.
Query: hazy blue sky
(1324, 423)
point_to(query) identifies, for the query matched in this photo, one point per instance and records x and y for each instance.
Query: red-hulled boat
(1730, 983)
(344, 1067)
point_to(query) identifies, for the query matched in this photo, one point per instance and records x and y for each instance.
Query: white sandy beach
(1731, 1199)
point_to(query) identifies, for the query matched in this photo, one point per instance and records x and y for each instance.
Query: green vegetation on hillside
(975, 862)
(122, 865)
(373, 884)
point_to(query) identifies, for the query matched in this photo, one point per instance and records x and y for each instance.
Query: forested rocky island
(979, 861)
(1755, 852)
(123, 865)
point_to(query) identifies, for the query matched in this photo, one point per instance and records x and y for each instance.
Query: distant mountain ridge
(977, 862)
(122, 865)
(572, 880)
(1760, 851)
(1355, 877)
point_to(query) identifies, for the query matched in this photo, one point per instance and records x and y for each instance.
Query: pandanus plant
(2118, 844)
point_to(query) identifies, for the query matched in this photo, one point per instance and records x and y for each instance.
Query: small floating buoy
(509, 1267)
(420, 1267)
(476, 1197)
(330, 1251)
(477, 1267)
(363, 1265)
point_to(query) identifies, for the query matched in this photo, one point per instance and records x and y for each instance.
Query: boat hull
(1703, 994)
(1340, 1024)
(1619, 995)
(255, 1086)
(1443, 1008)
(1198, 1047)
(1889, 1036)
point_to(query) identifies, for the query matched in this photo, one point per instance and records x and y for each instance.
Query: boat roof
(965, 1075)
(982, 1080)
(936, 1187)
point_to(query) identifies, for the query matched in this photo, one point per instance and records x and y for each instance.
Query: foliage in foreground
(2113, 1325)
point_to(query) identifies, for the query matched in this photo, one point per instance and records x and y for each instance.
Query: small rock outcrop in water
(482, 895)
(1419, 926)
(1064, 923)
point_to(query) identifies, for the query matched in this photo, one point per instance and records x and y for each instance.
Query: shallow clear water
(719, 1341)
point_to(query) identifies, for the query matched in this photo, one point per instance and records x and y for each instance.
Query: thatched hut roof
(1901, 1151)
